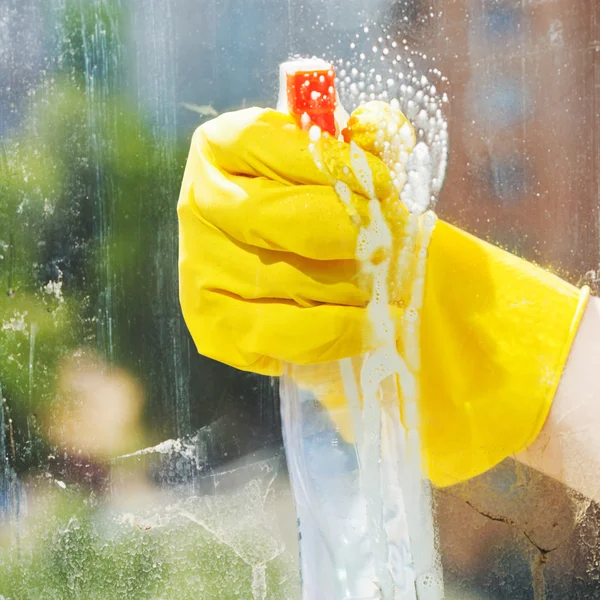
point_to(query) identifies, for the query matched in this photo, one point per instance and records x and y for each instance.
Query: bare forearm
(568, 448)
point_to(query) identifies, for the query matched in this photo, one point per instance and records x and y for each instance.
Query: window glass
(130, 466)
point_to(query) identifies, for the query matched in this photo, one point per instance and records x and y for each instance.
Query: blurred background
(129, 465)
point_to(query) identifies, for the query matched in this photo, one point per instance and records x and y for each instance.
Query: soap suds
(376, 431)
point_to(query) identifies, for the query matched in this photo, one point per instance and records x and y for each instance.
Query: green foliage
(76, 551)
(88, 240)
(87, 223)
(57, 241)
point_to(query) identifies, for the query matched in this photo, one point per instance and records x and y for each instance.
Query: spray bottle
(363, 507)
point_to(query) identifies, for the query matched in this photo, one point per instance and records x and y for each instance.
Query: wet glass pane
(130, 465)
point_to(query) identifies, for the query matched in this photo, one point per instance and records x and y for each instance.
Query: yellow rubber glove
(267, 267)
(268, 275)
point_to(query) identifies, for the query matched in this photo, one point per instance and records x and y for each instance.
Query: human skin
(568, 447)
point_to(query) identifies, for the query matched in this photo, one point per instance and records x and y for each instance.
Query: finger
(266, 143)
(211, 259)
(307, 220)
(261, 336)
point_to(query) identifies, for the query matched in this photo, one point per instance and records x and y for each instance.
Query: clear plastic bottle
(363, 506)
(346, 479)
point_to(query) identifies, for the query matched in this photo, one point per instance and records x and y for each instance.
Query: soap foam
(419, 175)
(418, 95)
(425, 169)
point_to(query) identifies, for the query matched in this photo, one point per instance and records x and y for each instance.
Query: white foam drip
(416, 193)
(377, 432)
(385, 362)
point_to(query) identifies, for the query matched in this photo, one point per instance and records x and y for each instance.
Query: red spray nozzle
(309, 90)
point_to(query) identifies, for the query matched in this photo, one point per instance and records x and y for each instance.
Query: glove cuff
(496, 332)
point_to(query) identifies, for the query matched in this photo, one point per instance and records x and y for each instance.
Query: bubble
(411, 314)
(422, 119)
(411, 109)
(314, 133)
(417, 95)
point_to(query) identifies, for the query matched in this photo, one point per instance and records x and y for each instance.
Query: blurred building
(524, 115)
(524, 118)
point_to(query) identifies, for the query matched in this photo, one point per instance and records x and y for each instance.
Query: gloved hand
(268, 275)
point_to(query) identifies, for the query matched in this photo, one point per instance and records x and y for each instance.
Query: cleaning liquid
(364, 509)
